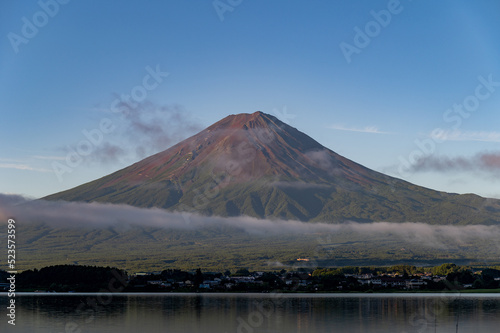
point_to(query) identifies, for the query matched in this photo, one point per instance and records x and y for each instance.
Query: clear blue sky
(373, 97)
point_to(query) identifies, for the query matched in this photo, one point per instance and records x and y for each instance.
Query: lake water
(180, 313)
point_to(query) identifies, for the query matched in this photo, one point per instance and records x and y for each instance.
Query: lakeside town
(74, 278)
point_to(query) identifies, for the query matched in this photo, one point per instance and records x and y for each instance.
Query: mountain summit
(256, 165)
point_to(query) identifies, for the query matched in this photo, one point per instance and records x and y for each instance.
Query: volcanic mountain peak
(257, 128)
(245, 120)
(256, 165)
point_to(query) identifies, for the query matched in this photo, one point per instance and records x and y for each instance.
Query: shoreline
(447, 293)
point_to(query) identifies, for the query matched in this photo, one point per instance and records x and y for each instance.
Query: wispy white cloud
(22, 167)
(366, 129)
(11, 160)
(50, 158)
(98, 215)
(457, 135)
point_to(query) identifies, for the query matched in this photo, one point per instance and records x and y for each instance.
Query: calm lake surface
(180, 313)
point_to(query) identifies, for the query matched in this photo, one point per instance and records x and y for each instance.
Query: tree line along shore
(77, 278)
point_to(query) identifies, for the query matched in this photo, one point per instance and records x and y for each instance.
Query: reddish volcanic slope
(254, 164)
(249, 147)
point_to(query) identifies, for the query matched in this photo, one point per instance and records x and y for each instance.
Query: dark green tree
(198, 278)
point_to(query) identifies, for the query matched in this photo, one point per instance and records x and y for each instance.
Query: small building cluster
(396, 282)
(308, 281)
